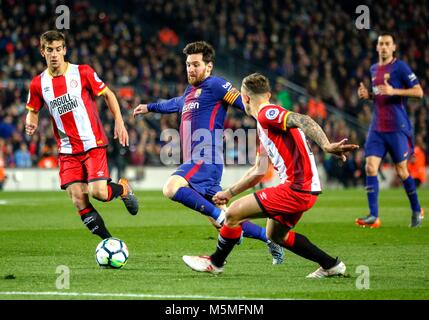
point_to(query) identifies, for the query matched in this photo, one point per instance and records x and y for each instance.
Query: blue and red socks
(410, 189)
(372, 194)
(195, 201)
(371, 187)
(227, 239)
(251, 230)
(114, 190)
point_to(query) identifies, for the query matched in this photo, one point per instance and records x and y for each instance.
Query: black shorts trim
(65, 186)
(260, 204)
(101, 178)
(314, 193)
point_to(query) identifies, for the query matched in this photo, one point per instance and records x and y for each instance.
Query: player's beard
(195, 81)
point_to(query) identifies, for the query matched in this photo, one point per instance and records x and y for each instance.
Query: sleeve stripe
(284, 120)
(28, 107)
(280, 117)
(230, 98)
(235, 97)
(227, 96)
(102, 91)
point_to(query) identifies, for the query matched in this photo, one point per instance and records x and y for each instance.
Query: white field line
(128, 295)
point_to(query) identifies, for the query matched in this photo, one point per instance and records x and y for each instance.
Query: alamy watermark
(362, 281)
(363, 20)
(63, 280)
(63, 20)
(218, 146)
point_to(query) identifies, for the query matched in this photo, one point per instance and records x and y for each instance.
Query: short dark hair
(388, 33)
(256, 83)
(201, 47)
(52, 35)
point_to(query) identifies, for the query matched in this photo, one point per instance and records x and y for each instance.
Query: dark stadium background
(312, 52)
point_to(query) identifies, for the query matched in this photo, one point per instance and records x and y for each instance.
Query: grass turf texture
(41, 230)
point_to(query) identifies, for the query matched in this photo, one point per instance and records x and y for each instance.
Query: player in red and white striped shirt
(69, 91)
(282, 135)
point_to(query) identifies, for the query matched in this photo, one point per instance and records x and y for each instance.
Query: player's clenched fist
(222, 197)
(30, 129)
(140, 109)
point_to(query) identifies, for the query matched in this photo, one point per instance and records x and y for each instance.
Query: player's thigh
(400, 146)
(96, 165)
(78, 192)
(202, 177)
(243, 209)
(71, 170)
(375, 145)
(173, 183)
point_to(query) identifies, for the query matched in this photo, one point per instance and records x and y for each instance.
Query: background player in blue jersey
(203, 107)
(390, 129)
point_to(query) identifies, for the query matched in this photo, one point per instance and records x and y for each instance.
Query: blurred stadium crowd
(135, 47)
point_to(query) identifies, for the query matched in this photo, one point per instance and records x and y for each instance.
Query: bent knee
(99, 194)
(173, 184)
(371, 169)
(231, 216)
(402, 172)
(169, 190)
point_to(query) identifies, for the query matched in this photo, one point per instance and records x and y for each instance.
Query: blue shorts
(203, 178)
(399, 145)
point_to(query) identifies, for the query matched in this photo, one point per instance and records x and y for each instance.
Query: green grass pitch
(41, 231)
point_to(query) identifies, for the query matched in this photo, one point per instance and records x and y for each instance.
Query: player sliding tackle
(203, 107)
(282, 135)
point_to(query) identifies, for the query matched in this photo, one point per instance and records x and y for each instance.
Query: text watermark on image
(362, 281)
(363, 20)
(63, 280)
(217, 146)
(63, 20)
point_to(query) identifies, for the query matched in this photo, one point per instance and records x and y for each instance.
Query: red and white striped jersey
(70, 100)
(288, 149)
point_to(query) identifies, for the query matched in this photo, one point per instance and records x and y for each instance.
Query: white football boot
(338, 270)
(201, 264)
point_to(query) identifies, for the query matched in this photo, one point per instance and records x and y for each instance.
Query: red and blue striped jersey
(390, 112)
(203, 109)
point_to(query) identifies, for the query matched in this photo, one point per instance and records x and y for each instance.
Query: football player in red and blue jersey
(203, 108)
(283, 135)
(390, 131)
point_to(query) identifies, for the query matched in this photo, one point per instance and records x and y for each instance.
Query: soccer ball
(111, 253)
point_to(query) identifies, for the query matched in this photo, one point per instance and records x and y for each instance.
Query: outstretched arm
(252, 177)
(169, 106)
(312, 130)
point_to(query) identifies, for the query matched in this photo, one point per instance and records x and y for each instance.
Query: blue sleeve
(169, 106)
(407, 76)
(223, 90)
